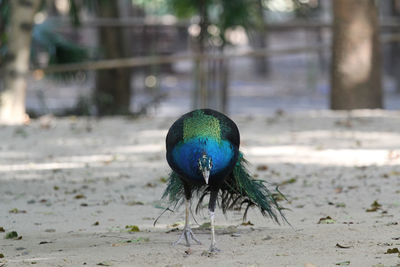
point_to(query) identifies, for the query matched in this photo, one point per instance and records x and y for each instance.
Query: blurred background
(166, 57)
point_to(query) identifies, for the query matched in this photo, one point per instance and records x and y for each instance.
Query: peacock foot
(214, 249)
(187, 234)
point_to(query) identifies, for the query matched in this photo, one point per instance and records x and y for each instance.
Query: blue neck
(186, 156)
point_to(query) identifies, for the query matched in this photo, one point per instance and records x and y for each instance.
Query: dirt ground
(74, 190)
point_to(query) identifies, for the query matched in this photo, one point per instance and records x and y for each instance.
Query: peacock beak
(206, 175)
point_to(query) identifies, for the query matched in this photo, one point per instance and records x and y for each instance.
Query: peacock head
(205, 165)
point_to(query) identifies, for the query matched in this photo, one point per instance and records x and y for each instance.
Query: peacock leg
(211, 209)
(187, 233)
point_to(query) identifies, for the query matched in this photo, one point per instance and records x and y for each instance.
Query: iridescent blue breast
(186, 156)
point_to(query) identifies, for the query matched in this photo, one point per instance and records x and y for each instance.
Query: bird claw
(214, 249)
(187, 234)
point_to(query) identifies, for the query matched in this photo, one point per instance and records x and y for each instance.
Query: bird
(202, 149)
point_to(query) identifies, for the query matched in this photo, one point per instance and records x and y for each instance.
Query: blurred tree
(216, 19)
(233, 15)
(394, 47)
(12, 97)
(258, 36)
(113, 90)
(356, 61)
(4, 20)
(307, 9)
(18, 33)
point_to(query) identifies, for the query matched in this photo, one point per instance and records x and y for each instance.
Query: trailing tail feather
(242, 189)
(238, 190)
(174, 191)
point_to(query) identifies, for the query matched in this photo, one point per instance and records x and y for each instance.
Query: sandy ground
(69, 187)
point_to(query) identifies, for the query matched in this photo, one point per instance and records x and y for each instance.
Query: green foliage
(223, 14)
(234, 13)
(153, 7)
(11, 235)
(185, 8)
(4, 19)
(74, 13)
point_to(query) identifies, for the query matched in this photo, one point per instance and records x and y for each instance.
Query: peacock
(203, 153)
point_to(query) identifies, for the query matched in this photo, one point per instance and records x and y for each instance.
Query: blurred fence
(318, 46)
(157, 60)
(317, 27)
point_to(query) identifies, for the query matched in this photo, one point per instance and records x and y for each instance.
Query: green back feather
(194, 126)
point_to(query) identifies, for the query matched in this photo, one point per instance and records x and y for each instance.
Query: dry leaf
(392, 251)
(338, 189)
(12, 235)
(374, 206)
(188, 251)
(206, 225)
(326, 220)
(341, 246)
(176, 229)
(343, 263)
(289, 181)
(132, 228)
(163, 180)
(262, 167)
(278, 197)
(104, 263)
(134, 203)
(15, 211)
(151, 185)
(247, 223)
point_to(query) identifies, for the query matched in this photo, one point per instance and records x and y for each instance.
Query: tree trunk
(223, 79)
(113, 91)
(12, 98)
(394, 64)
(201, 92)
(356, 57)
(258, 40)
(324, 34)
